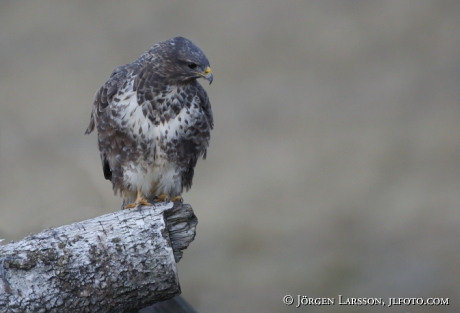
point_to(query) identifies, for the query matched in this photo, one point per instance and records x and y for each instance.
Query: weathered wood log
(119, 262)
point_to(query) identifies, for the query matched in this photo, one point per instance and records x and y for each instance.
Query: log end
(182, 223)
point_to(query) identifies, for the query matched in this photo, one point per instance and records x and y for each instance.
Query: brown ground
(334, 163)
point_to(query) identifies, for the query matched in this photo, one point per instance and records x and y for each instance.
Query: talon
(140, 201)
(161, 198)
(177, 198)
(143, 202)
(130, 206)
(138, 204)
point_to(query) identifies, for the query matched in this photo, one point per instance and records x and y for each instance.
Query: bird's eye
(191, 65)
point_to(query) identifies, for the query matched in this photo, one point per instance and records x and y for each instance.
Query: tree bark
(119, 262)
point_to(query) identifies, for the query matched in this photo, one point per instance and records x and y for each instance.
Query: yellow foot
(165, 198)
(161, 198)
(177, 198)
(138, 203)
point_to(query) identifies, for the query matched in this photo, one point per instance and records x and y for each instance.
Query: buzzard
(153, 121)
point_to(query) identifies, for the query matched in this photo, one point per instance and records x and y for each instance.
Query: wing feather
(111, 137)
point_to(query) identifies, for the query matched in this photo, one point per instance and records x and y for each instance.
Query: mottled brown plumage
(153, 121)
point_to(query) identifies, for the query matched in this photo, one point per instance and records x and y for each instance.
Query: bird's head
(180, 60)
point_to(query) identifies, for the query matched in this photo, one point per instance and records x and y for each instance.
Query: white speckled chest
(153, 170)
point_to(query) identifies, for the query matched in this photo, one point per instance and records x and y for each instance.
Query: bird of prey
(153, 120)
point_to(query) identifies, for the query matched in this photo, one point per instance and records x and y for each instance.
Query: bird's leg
(177, 198)
(140, 201)
(161, 198)
(165, 198)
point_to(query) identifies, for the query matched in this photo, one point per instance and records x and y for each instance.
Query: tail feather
(91, 125)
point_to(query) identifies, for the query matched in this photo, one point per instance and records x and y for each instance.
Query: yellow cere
(207, 70)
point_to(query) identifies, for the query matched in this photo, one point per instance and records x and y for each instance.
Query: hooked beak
(207, 75)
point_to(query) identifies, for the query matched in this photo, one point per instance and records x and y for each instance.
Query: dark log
(174, 305)
(119, 262)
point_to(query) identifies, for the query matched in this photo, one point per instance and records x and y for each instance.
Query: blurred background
(334, 163)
